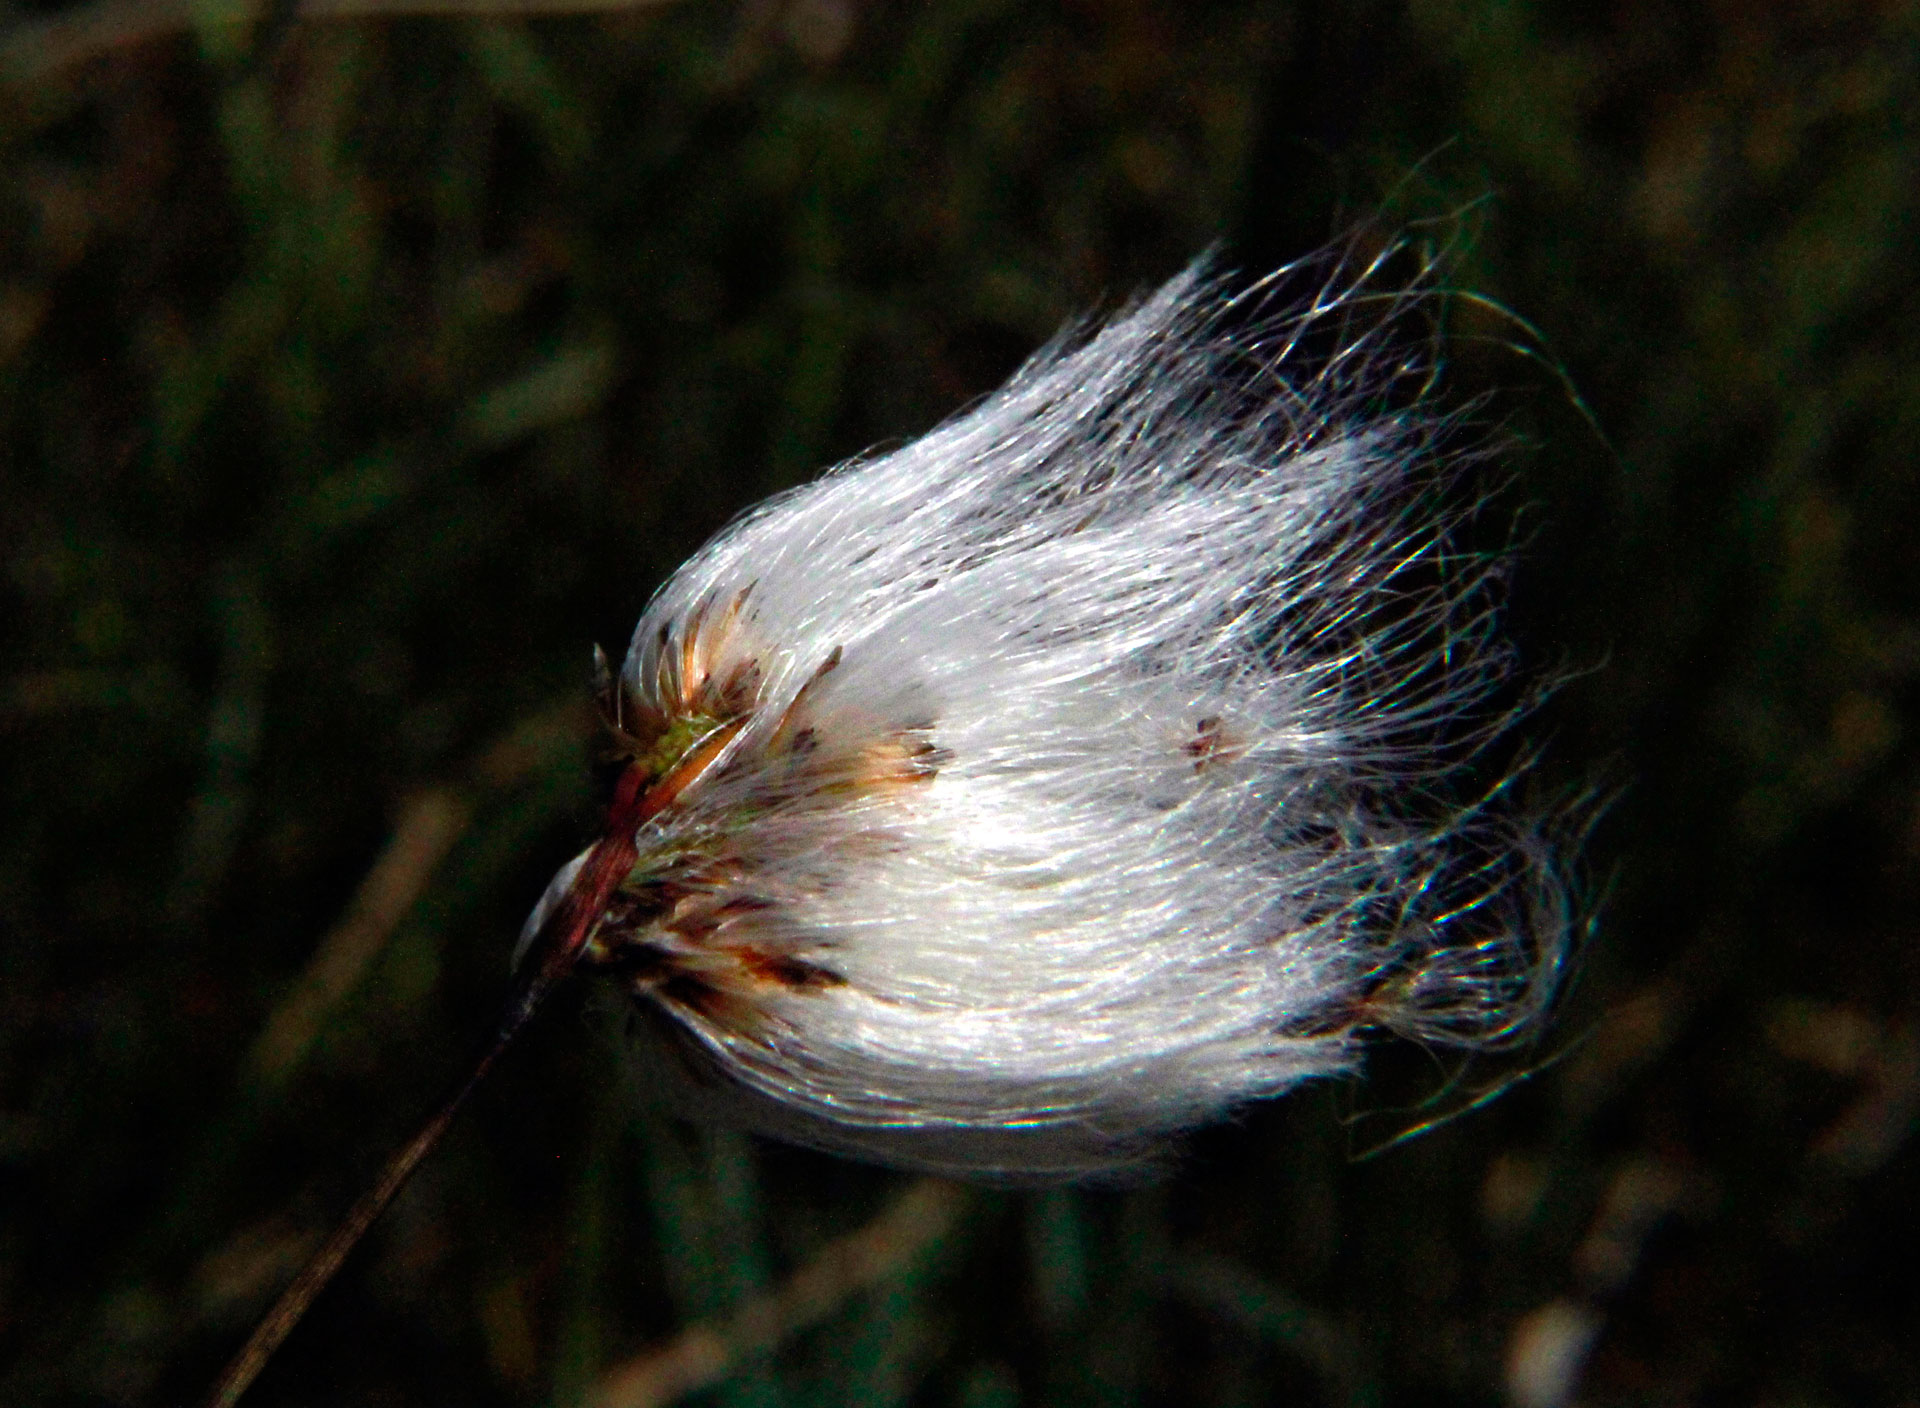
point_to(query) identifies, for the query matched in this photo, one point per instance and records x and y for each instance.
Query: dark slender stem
(278, 1322)
(638, 798)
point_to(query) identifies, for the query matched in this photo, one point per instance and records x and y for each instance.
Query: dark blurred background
(358, 373)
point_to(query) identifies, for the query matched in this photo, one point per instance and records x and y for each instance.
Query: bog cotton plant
(1008, 803)
(1052, 775)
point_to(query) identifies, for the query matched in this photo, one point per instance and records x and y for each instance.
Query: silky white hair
(1109, 757)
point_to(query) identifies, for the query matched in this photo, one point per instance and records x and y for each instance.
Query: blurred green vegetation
(356, 376)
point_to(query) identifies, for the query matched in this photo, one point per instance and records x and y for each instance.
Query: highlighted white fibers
(1076, 773)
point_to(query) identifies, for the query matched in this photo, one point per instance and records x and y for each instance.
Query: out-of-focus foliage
(356, 376)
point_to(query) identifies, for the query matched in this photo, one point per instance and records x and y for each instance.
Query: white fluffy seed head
(1085, 769)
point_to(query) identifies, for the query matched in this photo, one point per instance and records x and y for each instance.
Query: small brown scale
(1213, 743)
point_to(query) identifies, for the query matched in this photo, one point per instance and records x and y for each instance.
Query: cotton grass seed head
(1096, 763)
(1114, 755)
